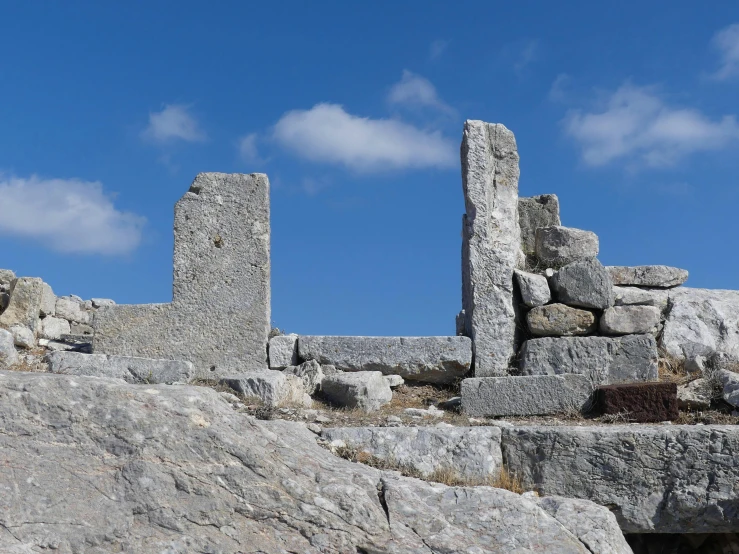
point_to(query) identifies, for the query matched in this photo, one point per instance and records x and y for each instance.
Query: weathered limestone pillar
(220, 312)
(491, 244)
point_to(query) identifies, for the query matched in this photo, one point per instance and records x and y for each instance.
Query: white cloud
(437, 48)
(67, 215)
(558, 90)
(415, 91)
(638, 125)
(327, 133)
(174, 122)
(726, 41)
(527, 53)
(248, 149)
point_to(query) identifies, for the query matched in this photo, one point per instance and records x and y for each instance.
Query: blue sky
(627, 112)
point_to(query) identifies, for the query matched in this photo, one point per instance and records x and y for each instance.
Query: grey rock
(71, 309)
(604, 360)
(535, 212)
(220, 313)
(283, 351)
(130, 369)
(23, 336)
(695, 395)
(699, 365)
(525, 395)
(6, 277)
(700, 322)
(584, 283)
(4, 301)
(394, 381)
(722, 360)
(729, 382)
(310, 373)
(459, 324)
(8, 353)
(175, 469)
(453, 403)
(25, 304)
(559, 245)
(471, 452)
(654, 478)
(274, 388)
(648, 275)
(366, 390)
(627, 320)
(80, 329)
(102, 302)
(422, 359)
(560, 320)
(48, 301)
(630, 296)
(57, 346)
(534, 288)
(491, 243)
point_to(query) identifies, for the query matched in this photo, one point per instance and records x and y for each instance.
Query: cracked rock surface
(96, 465)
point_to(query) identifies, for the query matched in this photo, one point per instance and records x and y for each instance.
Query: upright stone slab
(220, 312)
(25, 304)
(491, 243)
(535, 212)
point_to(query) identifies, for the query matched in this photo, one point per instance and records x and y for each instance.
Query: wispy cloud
(327, 133)
(67, 215)
(527, 53)
(174, 122)
(558, 90)
(637, 125)
(437, 48)
(415, 91)
(726, 42)
(248, 150)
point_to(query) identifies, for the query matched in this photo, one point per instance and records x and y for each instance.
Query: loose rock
(696, 395)
(8, 353)
(366, 390)
(559, 245)
(23, 336)
(71, 309)
(310, 373)
(394, 381)
(584, 283)
(560, 320)
(274, 388)
(534, 288)
(627, 320)
(730, 383)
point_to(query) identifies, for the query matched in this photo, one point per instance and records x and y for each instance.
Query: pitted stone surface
(584, 283)
(700, 322)
(283, 351)
(604, 360)
(8, 353)
(422, 359)
(648, 275)
(729, 382)
(72, 309)
(472, 452)
(491, 243)
(627, 320)
(534, 288)
(274, 388)
(631, 296)
(128, 368)
(559, 320)
(654, 478)
(525, 395)
(25, 304)
(559, 245)
(535, 212)
(310, 373)
(220, 313)
(366, 390)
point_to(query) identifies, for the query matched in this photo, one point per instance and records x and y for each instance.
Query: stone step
(129, 368)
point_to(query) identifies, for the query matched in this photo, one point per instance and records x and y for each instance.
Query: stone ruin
(545, 329)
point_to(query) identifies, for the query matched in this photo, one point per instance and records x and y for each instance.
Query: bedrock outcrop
(96, 465)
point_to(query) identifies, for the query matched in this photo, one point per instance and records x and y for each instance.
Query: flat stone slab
(559, 320)
(633, 296)
(525, 395)
(274, 388)
(605, 360)
(661, 276)
(420, 359)
(365, 390)
(471, 452)
(654, 478)
(130, 369)
(628, 320)
(638, 402)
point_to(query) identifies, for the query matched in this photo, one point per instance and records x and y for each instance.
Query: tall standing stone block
(535, 212)
(220, 312)
(491, 243)
(25, 304)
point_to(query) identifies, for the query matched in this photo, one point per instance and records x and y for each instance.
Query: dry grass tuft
(672, 369)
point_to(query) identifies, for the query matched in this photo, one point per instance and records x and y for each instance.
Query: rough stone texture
(700, 322)
(627, 320)
(310, 373)
(8, 354)
(25, 304)
(654, 478)
(525, 395)
(560, 320)
(648, 275)
(534, 288)
(639, 402)
(491, 243)
(366, 390)
(730, 383)
(423, 359)
(584, 283)
(459, 320)
(604, 360)
(48, 301)
(535, 212)
(53, 328)
(394, 381)
(472, 452)
(6, 277)
(23, 336)
(559, 245)
(719, 360)
(283, 351)
(130, 369)
(100, 302)
(695, 395)
(274, 388)
(220, 313)
(176, 469)
(73, 310)
(629, 296)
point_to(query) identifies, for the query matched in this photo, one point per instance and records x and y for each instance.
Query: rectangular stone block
(525, 395)
(420, 359)
(605, 360)
(128, 368)
(648, 275)
(25, 304)
(283, 351)
(638, 402)
(274, 388)
(491, 244)
(220, 312)
(535, 212)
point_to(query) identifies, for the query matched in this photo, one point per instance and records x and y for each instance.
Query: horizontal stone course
(627, 320)
(648, 275)
(562, 245)
(130, 369)
(421, 359)
(560, 320)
